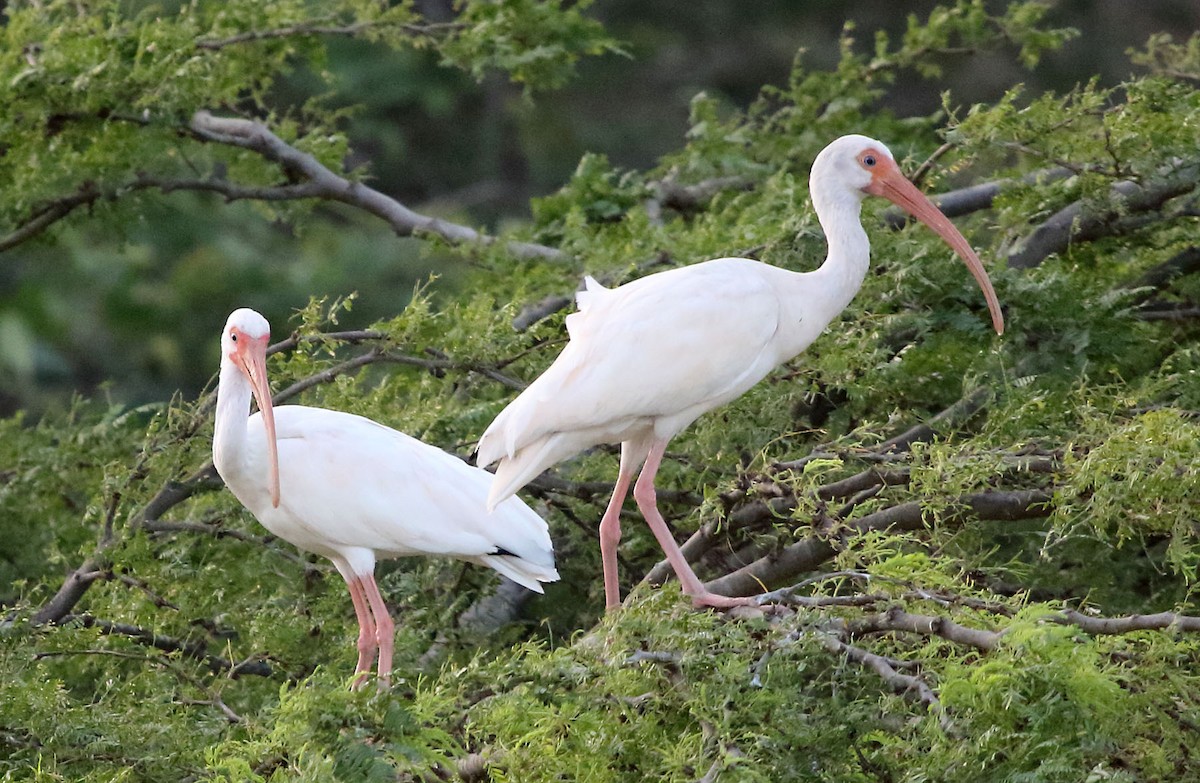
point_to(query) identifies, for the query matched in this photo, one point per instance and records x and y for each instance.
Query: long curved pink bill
(894, 186)
(254, 360)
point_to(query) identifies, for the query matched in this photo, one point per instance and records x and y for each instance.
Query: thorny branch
(907, 685)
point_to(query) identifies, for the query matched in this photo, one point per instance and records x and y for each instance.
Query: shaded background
(135, 315)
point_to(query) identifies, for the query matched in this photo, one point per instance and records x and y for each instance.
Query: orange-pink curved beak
(891, 184)
(252, 358)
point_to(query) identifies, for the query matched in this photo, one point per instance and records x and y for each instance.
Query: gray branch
(1171, 314)
(909, 686)
(1126, 210)
(809, 552)
(1097, 626)
(1185, 262)
(675, 195)
(325, 184)
(896, 619)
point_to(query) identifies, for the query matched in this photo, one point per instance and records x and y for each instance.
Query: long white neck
(840, 212)
(233, 409)
(811, 300)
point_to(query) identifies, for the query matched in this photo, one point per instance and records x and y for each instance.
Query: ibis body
(354, 491)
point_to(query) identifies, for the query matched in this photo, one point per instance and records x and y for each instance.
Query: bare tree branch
(811, 551)
(897, 619)
(256, 137)
(532, 313)
(316, 181)
(1073, 224)
(1172, 314)
(1185, 262)
(47, 215)
(672, 194)
(72, 589)
(948, 419)
(1138, 622)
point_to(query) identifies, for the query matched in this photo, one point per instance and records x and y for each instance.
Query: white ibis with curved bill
(352, 490)
(646, 359)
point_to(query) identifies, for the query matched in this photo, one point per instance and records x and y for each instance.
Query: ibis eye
(233, 336)
(868, 160)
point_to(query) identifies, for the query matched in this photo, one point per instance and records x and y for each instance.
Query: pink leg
(610, 532)
(385, 629)
(643, 493)
(367, 644)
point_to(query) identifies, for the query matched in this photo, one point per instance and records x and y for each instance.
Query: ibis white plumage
(352, 490)
(646, 359)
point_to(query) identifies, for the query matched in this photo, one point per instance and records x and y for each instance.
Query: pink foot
(705, 598)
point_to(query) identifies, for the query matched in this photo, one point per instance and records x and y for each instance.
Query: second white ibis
(352, 490)
(646, 359)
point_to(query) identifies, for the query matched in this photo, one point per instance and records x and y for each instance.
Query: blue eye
(868, 160)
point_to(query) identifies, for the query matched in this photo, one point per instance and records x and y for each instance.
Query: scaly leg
(647, 501)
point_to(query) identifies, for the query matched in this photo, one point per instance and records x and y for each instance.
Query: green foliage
(1138, 487)
(1081, 399)
(537, 42)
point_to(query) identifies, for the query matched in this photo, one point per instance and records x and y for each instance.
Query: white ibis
(352, 490)
(646, 359)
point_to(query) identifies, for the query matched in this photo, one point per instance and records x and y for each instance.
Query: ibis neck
(846, 265)
(233, 409)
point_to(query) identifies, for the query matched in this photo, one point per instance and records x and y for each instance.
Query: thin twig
(195, 650)
(907, 685)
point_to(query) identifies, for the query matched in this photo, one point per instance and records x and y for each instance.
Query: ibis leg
(647, 501)
(385, 629)
(610, 533)
(367, 646)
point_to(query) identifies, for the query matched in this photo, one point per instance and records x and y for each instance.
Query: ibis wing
(347, 481)
(688, 338)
